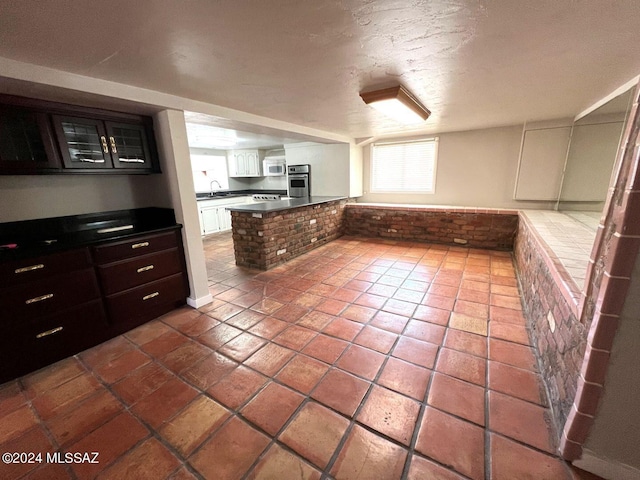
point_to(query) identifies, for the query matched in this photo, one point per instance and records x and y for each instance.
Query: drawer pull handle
(30, 268)
(90, 160)
(150, 296)
(115, 229)
(39, 299)
(105, 148)
(49, 332)
(113, 145)
(131, 160)
(140, 245)
(145, 269)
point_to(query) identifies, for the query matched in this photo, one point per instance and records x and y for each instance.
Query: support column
(175, 162)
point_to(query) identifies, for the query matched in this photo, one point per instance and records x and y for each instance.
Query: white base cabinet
(214, 219)
(214, 216)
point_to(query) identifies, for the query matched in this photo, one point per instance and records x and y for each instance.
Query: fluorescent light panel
(397, 103)
(206, 136)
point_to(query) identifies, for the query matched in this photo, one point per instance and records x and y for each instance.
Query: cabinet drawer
(140, 270)
(32, 345)
(135, 302)
(113, 252)
(40, 298)
(22, 271)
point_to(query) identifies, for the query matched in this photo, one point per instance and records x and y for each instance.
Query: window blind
(404, 166)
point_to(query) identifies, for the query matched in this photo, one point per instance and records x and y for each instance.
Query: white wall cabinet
(544, 152)
(590, 162)
(245, 163)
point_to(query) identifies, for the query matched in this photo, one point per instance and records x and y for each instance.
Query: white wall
(356, 171)
(335, 168)
(25, 197)
(475, 168)
(329, 166)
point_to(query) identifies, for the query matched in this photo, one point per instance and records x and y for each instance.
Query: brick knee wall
(557, 334)
(478, 228)
(276, 237)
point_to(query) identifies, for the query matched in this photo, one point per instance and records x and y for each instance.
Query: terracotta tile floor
(361, 359)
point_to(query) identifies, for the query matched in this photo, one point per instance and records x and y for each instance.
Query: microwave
(274, 168)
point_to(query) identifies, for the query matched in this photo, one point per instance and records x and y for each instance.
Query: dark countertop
(237, 193)
(278, 205)
(47, 235)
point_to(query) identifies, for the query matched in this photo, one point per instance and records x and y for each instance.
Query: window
(404, 167)
(207, 168)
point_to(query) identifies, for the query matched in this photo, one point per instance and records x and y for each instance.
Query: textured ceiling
(475, 64)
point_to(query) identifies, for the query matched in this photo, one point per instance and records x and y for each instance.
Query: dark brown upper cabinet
(129, 145)
(38, 137)
(26, 142)
(83, 142)
(87, 143)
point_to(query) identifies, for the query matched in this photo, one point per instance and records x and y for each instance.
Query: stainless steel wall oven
(299, 180)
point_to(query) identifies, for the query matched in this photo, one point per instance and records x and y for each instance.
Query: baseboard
(606, 468)
(199, 302)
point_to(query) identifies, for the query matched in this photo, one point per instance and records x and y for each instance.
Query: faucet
(211, 186)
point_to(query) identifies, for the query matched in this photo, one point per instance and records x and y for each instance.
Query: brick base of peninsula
(268, 234)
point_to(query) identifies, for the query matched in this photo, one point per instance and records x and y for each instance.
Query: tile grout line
(369, 392)
(487, 434)
(424, 403)
(308, 397)
(152, 432)
(42, 423)
(359, 408)
(353, 265)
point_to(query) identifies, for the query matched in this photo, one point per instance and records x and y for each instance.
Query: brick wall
(276, 237)
(557, 333)
(480, 228)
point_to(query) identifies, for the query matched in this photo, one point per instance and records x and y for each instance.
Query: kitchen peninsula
(268, 234)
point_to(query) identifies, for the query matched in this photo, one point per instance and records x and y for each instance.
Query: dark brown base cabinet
(141, 278)
(55, 305)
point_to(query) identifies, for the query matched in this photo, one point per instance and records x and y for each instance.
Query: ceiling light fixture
(206, 136)
(397, 103)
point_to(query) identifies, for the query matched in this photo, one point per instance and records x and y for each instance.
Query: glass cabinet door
(128, 145)
(25, 142)
(83, 142)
